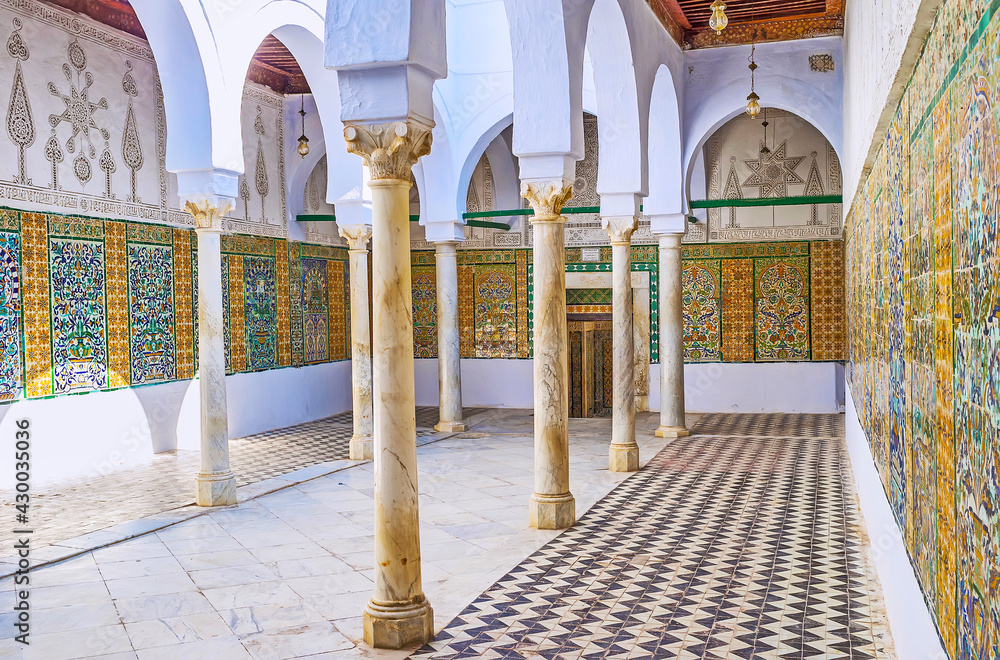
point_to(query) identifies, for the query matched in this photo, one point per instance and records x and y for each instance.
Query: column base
(672, 432)
(623, 458)
(215, 488)
(551, 511)
(449, 427)
(362, 448)
(642, 404)
(393, 627)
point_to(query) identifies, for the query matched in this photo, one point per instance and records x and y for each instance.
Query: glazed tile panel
(11, 380)
(924, 323)
(743, 302)
(89, 304)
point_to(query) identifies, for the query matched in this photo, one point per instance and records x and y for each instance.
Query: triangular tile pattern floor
(722, 547)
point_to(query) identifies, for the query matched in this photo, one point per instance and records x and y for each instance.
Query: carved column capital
(547, 198)
(620, 228)
(208, 213)
(391, 149)
(356, 235)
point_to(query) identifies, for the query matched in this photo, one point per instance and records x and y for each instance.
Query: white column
(672, 421)
(215, 484)
(398, 613)
(623, 454)
(449, 354)
(552, 506)
(361, 350)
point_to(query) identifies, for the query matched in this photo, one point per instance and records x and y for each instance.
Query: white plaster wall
(87, 435)
(910, 622)
(790, 387)
(809, 387)
(882, 41)
(487, 383)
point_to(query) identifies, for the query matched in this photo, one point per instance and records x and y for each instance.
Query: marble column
(361, 350)
(672, 422)
(449, 356)
(215, 484)
(552, 506)
(640, 335)
(398, 613)
(624, 452)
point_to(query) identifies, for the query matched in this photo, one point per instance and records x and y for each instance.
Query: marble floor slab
(63, 519)
(287, 574)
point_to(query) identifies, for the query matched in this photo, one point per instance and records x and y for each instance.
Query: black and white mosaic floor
(724, 546)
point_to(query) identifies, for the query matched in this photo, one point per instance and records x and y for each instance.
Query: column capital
(208, 212)
(356, 235)
(620, 228)
(547, 198)
(390, 149)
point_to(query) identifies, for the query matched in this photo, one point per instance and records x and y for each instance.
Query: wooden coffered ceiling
(272, 64)
(750, 20)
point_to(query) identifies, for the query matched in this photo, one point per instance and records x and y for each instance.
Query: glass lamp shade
(753, 105)
(718, 20)
(303, 148)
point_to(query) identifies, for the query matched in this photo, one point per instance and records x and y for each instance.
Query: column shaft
(449, 355)
(215, 483)
(361, 350)
(552, 506)
(672, 421)
(398, 609)
(624, 452)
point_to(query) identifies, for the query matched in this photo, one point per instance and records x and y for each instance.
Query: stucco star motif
(79, 112)
(773, 172)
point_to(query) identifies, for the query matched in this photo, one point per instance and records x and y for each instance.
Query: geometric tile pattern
(770, 425)
(424, 301)
(737, 301)
(11, 380)
(721, 547)
(828, 311)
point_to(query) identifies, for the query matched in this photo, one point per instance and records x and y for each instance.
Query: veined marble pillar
(215, 484)
(552, 506)
(672, 422)
(624, 452)
(640, 338)
(449, 357)
(361, 350)
(398, 613)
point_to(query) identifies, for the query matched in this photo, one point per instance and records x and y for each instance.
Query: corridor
(740, 541)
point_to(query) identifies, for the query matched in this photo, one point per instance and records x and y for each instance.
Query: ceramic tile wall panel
(117, 300)
(151, 311)
(11, 362)
(183, 304)
(337, 274)
(495, 310)
(37, 323)
(701, 282)
(424, 299)
(923, 283)
(315, 310)
(283, 309)
(737, 301)
(522, 302)
(829, 314)
(781, 322)
(260, 316)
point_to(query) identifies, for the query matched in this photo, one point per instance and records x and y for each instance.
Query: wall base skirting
(913, 631)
